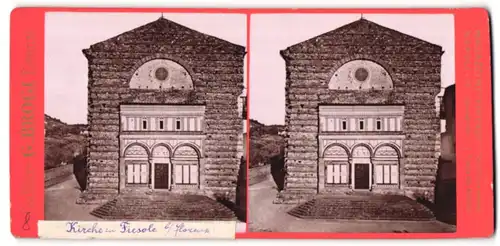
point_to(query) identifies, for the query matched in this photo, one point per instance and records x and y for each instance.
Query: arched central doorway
(361, 168)
(162, 170)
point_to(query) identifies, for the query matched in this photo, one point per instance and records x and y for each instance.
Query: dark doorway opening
(161, 176)
(362, 176)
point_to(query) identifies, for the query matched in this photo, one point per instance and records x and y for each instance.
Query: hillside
(63, 142)
(266, 144)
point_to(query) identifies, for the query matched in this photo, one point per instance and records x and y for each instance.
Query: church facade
(361, 113)
(164, 113)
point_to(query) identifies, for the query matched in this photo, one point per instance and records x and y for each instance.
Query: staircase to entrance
(163, 206)
(363, 206)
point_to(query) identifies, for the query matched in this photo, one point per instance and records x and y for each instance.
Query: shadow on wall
(239, 206)
(241, 192)
(278, 169)
(80, 170)
(445, 188)
(446, 196)
(444, 205)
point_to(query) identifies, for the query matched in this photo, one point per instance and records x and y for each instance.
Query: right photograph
(352, 123)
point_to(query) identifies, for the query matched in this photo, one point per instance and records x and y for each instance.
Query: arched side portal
(386, 163)
(336, 159)
(136, 165)
(186, 165)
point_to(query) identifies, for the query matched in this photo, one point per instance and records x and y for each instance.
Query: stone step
(375, 207)
(91, 201)
(102, 191)
(163, 207)
(97, 196)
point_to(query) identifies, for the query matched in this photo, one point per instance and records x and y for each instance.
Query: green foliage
(63, 142)
(258, 129)
(56, 128)
(266, 143)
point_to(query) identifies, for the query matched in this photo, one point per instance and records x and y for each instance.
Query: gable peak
(163, 31)
(360, 27)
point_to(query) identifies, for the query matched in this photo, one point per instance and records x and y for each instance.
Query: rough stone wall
(449, 115)
(216, 68)
(414, 66)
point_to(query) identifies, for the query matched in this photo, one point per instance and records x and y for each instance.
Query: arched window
(136, 164)
(336, 165)
(186, 165)
(386, 165)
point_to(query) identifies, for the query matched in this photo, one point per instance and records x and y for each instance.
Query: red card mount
(473, 105)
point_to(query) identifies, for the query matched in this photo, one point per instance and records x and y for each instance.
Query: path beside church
(266, 216)
(60, 202)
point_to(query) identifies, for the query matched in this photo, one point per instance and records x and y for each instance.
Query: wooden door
(161, 176)
(362, 176)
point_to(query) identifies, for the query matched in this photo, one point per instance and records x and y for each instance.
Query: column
(122, 175)
(201, 173)
(374, 174)
(350, 163)
(321, 175)
(170, 174)
(151, 173)
(172, 177)
(401, 165)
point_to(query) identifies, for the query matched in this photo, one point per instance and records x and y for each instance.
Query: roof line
(356, 22)
(162, 18)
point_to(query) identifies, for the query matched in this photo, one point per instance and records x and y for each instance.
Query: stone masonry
(413, 65)
(216, 69)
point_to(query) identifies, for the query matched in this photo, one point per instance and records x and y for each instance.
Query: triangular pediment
(363, 33)
(165, 33)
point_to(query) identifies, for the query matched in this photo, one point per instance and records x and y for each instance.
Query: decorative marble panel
(161, 151)
(170, 142)
(386, 151)
(350, 143)
(185, 151)
(361, 75)
(161, 74)
(361, 151)
(136, 151)
(335, 151)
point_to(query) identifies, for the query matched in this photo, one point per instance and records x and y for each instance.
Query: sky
(271, 33)
(67, 34)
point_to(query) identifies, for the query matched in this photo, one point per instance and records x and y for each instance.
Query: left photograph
(145, 116)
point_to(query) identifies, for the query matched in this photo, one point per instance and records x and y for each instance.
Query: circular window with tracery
(161, 74)
(361, 74)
